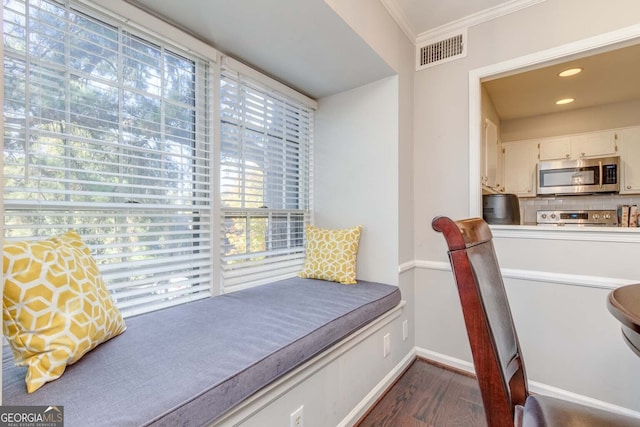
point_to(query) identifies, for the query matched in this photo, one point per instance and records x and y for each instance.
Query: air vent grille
(438, 52)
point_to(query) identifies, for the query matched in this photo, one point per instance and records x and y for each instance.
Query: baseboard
(443, 359)
(534, 386)
(548, 390)
(372, 397)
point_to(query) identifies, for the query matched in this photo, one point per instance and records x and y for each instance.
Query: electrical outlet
(405, 330)
(387, 344)
(296, 419)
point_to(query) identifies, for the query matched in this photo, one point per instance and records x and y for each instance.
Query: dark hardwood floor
(429, 395)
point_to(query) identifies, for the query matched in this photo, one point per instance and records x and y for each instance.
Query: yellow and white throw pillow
(331, 254)
(56, 306)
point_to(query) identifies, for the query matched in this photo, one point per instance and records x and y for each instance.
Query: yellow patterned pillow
(55, 307)
(331, 254)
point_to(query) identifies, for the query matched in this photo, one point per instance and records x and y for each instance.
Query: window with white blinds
(108, 132)
(265, 181)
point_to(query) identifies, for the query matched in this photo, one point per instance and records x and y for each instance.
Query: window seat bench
(189, 364)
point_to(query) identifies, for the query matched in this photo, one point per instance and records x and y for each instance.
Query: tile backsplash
(529, 205)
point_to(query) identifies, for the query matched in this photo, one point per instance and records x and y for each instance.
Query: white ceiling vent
(448, 48)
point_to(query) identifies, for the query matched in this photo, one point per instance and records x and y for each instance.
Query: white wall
(569, 339)
(356, 172)
(489, 110)
(371, 21)
(364, 152)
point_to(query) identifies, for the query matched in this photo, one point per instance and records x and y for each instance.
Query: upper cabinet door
(597, 144)
(520, 159)
(491, 156)
(630, 156)
(555, 148)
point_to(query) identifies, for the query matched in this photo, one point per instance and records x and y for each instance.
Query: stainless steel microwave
(583, 176)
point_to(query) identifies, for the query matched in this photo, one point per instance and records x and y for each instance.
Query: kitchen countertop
(600, 234)
(575, 226)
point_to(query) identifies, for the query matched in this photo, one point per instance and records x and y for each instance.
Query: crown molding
(471, 20)
(401, 19)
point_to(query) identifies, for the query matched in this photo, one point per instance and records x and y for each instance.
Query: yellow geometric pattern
(331, 254)
(56, 306)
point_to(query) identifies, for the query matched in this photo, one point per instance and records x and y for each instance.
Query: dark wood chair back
(492, 335)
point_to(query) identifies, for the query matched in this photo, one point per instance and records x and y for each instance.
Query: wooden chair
(494, 342)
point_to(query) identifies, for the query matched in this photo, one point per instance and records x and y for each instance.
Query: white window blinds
(108, 132)
(265, 181)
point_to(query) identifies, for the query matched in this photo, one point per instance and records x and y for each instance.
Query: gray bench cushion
(189, 364)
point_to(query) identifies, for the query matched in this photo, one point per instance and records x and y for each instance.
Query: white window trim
(136, 17)
(276, 268)
(268, 81)
(144, 21)
(204, 288)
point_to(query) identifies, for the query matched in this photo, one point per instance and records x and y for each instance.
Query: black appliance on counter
(501, 209)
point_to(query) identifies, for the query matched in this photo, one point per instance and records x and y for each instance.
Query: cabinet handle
(582, 154)
(628, 187)
(567, 156)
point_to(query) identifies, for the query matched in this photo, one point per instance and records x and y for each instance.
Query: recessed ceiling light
(564, 101)
(570, 72)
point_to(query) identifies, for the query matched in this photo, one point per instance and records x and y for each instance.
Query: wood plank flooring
(429, 395)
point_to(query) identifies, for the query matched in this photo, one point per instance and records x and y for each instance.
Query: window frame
(142, 23)
(254, 267)
(197, 286)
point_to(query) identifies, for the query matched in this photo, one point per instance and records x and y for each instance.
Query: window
(108, 132)
(265, 181)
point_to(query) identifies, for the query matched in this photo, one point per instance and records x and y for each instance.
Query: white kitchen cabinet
(630, 158)
(555, 148)
(596, 144)
(491, 157)
(520, 160)
(575, 147)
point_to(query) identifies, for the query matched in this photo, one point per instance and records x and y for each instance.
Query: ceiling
(303, 44)
(607, 78)
(307, 46)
